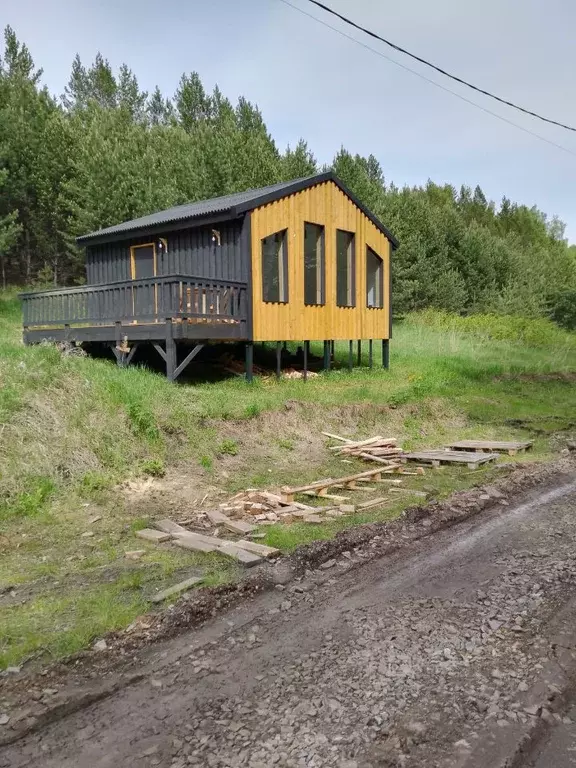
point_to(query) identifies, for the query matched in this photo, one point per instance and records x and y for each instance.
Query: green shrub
(142, 421)
(229, 447)
(206, 462)
(563, 310)
(94, 481)
(252, 411)
(30, 502)
(154, 467)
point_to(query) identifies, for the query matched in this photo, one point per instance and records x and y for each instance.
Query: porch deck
(195, 308)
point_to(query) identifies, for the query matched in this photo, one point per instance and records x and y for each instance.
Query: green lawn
(79, 438)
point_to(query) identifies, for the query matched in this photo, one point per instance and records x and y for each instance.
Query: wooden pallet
(511, 447)
(438, 457)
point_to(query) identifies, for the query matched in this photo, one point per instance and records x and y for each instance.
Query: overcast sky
(311, 82)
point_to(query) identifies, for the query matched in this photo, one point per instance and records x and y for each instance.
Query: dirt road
(431, 657)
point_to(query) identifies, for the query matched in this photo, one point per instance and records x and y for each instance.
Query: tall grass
(68, 420)
(535, 332)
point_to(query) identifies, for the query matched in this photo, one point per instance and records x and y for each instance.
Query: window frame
(321, 266)
(350, 270)
(282, 266)
(379, 285)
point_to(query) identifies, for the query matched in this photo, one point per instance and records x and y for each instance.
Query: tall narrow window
(313, 264)
(374, 279)
(345, 269)
(275, 267)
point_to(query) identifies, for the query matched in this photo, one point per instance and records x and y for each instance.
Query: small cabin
(302, 261)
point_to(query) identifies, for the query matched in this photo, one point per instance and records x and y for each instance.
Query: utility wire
(428, 80)
(438, 69)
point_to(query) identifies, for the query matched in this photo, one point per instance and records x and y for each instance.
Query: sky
(309, 81)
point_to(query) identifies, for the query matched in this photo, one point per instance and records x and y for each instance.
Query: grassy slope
(73, 429)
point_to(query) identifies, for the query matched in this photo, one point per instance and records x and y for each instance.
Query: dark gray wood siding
(191, 252)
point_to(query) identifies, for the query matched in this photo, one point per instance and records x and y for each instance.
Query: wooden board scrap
(204, 543)
(238, 526)
(258, 549)
(216, 517)
(194, 542)
(176, 589)
(239, 553)
(320, 485)
(169, 526)
(372, 503)
(151, 535)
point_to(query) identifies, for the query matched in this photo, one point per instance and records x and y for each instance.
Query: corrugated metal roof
(193, 210)
(234, 204)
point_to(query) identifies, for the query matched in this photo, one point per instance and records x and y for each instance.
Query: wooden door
(143, 265)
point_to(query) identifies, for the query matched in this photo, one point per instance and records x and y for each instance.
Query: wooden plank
(422, 494)
(238, 526)
(183, 586)
(377, 459)
(314, 519)
(191, 541)
(216, 517)
(240, 554)
(258, 549)
(357, 444)
(202, 543)
(329, 481)
(372, 503)
(337, 437)
(169, 526)
(151, 535)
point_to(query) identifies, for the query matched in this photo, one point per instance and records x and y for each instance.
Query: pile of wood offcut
(382, 450)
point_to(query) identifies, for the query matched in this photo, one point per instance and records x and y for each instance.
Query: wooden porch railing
(145, 300)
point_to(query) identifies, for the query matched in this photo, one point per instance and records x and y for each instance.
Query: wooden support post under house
(249, 365)
(130, 354)
(117, 354)
(306, 354)
(187, 360)
(370, 354)
(278, 359)
(171, 355)
(332, 349)
(350, 354)
(358, 353)
(326, 355)
(385, 353)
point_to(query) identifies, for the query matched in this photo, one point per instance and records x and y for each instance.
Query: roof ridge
(234, 204)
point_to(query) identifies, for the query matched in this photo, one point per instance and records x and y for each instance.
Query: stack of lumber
(244, 551)
(382, 450)
(266, 508)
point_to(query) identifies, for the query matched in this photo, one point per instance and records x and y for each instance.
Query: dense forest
(105, 151)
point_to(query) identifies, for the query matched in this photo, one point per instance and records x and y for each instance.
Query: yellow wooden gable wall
(327, 205)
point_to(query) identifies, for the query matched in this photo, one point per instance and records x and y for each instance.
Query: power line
(439, 69)
(428, 80)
